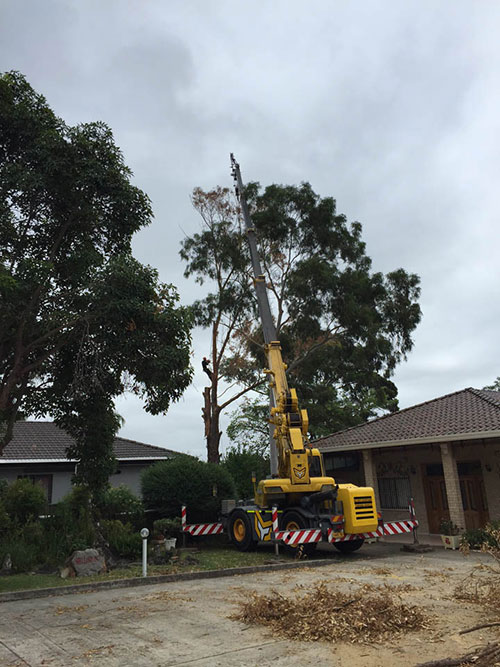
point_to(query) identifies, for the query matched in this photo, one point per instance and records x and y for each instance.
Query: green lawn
(211, 558)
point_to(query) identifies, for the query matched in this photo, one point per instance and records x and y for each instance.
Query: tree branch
(241, 393)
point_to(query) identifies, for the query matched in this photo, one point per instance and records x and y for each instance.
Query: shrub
(474, 538)
(241, 464)
(167, 527)
(24, 500)
(26, 546)
(447, 527)
(122, 539)
(120, 502)
(484, 538)
(25, 557)
(185, 480)
(4, 520)
(3, 488)
(70, 526)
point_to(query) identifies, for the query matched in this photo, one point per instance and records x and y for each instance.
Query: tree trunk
(211, 413)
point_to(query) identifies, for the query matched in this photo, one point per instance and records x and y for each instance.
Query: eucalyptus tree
(343, 327)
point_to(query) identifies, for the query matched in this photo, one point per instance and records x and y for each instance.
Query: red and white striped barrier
(293, 537)
(307, 535)
(391, 528)
(411, 509)
(199, 529)
(274, 515)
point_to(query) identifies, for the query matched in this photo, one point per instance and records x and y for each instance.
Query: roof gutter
(428, 440)
(119, 459)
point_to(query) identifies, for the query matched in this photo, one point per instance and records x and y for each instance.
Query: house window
(341, 462)
(394, 492)
(45, 482)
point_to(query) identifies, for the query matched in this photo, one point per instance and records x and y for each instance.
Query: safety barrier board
(308, 535)
(198, 529)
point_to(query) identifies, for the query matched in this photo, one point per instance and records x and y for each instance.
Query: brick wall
(452, 485)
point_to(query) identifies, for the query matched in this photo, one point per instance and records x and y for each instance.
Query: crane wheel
(295, 521)
(240, 531)
(348, 547)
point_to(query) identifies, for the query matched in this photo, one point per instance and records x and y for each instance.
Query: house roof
(37, 442)
(464, 415)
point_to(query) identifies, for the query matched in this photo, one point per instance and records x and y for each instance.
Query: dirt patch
(368, 614)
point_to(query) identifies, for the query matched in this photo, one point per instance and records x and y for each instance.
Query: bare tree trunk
(210, 413)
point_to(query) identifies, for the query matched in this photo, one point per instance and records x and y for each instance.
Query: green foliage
(248, 428)
(4, 520)
(240, 464)
(24, 557)
(184, 480)
(484, 538)
(24, 501)
(71, 523)
(121, 537)
(48, 542)
(167, 527)
(120, 502)
(343, 327)
(495, 386)
(81, 319)
(447, 527)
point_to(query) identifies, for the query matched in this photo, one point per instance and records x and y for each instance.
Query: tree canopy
(343, 327)
(81, 319)
(495, 386)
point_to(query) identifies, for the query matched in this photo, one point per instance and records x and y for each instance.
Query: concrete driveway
(188, 623)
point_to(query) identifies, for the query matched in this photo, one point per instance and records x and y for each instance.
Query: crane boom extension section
(305, 495)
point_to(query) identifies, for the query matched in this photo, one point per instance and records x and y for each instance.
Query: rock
(67, 572)
(6, 565)
(87, 562)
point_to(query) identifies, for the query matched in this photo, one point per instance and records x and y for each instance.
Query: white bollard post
(144, 535)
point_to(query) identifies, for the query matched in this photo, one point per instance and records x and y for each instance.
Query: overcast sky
(390, 107)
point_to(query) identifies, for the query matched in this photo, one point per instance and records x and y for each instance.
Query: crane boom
(290, 423)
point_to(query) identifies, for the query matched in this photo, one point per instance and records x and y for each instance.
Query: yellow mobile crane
(305, 497)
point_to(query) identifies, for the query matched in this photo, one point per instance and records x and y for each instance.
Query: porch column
(371, 474)
(452, 485)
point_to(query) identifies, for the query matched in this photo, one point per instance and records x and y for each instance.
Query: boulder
(87, 562)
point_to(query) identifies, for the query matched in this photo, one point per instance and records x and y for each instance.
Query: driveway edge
(156, 579)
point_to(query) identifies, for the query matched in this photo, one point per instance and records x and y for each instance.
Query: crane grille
(364, 507)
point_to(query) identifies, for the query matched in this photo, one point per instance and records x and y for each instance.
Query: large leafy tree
(342, 326)
(81, 320)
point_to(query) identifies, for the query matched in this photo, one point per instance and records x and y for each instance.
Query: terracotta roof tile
(464, 412)
(45, 441)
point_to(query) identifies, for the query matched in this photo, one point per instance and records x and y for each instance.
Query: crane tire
(348, 547)
(240, 531)
(295, 521)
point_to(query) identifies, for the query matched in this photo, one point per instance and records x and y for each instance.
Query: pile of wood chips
(329, 615)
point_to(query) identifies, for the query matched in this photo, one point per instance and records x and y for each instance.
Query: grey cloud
(391, 108)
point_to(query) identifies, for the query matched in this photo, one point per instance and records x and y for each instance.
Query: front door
(474, 501)
(472, 490)
(436, 500)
